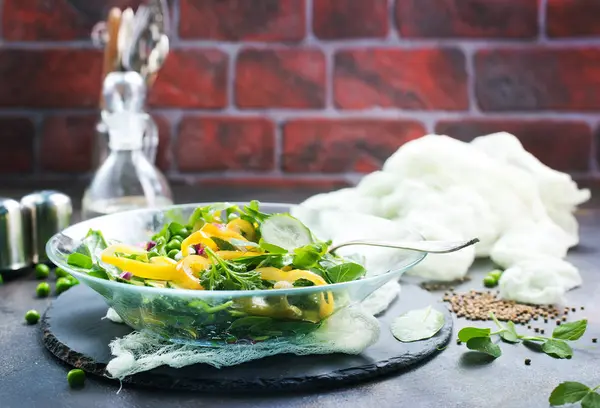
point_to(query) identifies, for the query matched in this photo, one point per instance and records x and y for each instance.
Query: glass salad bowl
(219, 317)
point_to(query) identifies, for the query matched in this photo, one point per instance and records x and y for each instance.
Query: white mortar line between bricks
(175, 21)
(308, 14)
(278, 147)
(470, 69)
(593, 164)
(542, 37)
(232, 54)
(393, 32)
(175, 122)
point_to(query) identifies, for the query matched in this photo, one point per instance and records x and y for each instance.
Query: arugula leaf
(510, 334)
(568, 392)
(253, 210)
(557, 348)
(209, 213)
(164, 233)
(469, 333)
(345, 272)
(592, 400)
(417, 324)
(175, 227)
(80, 260)
(95, 243)
(484, 345)
(274, 249)
(222, 244)
(98, 273)
(570, 331)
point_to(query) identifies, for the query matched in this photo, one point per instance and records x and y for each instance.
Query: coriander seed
(527, 361)
(594, 340)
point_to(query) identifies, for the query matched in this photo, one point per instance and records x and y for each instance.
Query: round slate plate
(74, 332)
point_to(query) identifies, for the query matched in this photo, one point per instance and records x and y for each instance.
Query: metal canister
(14, 253)
(44, 214)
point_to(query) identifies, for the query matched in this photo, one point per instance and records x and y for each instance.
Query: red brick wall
(309, 91)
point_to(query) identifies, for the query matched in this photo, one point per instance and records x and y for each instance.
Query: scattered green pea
(490, 282)
(179, 238)
(32, 317)
(42, 290)
(42, 271)
(173, 253)
(182, 232)
(173, 244)
(76, 378)
(60, 273)
(495, 274)
(62, 285)
(1, 280)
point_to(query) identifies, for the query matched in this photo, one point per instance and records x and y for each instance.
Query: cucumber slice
(285, 231)
(172, 285)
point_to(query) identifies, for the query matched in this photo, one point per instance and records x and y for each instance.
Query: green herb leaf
(469, 333)
(307, 256)
(417, 324)
(557, 349)
(98, 273)
(484, 345)
(222, 244)
(568, 392)
(592, 400)
(345, 272)
(80, 260)
(243, 244)
(570, 331)
(510, 335)
(274, 249)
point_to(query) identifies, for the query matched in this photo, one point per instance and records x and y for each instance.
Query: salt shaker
(14, 251)
(44, 214)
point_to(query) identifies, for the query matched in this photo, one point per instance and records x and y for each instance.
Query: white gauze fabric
(490, 188)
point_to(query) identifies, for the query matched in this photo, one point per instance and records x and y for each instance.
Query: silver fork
(432, 247)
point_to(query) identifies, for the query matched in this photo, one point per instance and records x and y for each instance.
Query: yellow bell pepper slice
(214, 231)
(198, 237)
(326, 306)
(159, 268)
(194, 264)
(235, 254)
(242, 227)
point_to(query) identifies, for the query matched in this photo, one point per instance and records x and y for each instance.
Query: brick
(562, 145)
(277, 183)
(214, 144)
(340, 19)
(243, 20)
(16, 135)
(429, 79)
(68, 143)
(467, 19)
(572, 18)
(538, 79)
(285, 78)
(51, 78)
(55, 20)
(337, 146)
(192, 79)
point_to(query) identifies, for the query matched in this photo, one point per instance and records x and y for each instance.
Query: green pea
(60, 273)
(173, 253)
(173, 244)
(152, 254)
(1, 280)
(76, 378)
(62, 285)
(179, 238)
(73, 280)
(42, 290)
(42, 271)
(490, 281)
(32, 317)
(495, 274)
(183, 232)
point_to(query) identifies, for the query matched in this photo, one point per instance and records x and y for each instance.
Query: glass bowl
(215, 318)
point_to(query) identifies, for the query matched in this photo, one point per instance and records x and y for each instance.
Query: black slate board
(74, 332)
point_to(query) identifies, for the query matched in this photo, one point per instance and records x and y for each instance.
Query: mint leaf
(468, 333)
(568, 392)
(484, 345)
(592, 400)
(417, 324)
(570, 331)
(557, 349)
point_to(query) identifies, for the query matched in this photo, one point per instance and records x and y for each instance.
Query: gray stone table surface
(31, 377)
